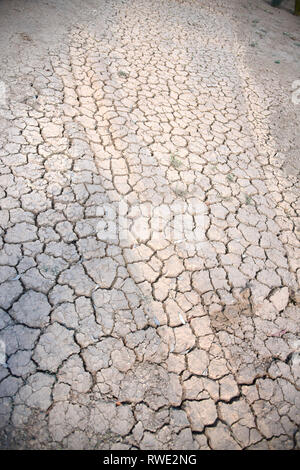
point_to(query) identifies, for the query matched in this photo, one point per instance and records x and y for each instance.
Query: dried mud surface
(149, 342)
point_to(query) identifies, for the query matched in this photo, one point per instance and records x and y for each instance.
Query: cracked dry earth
(147, 342)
